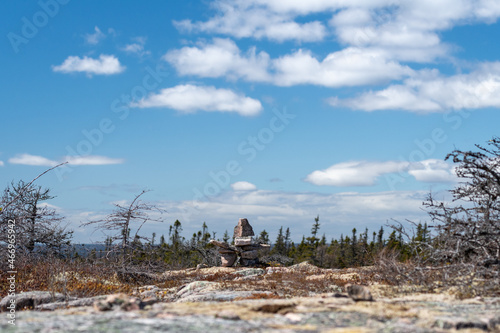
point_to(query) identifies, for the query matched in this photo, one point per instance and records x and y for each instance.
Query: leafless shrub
(464, 252)
(119, 223)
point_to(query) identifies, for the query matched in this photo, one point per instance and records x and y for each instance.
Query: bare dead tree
(120, 222)
(469, 228)
(6, 204)
(464, 248)
(35, 221)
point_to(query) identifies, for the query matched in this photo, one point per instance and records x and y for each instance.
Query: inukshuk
(244, 246)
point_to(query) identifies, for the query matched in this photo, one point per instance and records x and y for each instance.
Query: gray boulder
(358, 293)
(243, 229)
(30, 299)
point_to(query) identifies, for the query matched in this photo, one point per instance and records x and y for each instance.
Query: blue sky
(276, 111)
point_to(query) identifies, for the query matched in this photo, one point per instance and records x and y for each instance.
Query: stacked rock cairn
(244, 247)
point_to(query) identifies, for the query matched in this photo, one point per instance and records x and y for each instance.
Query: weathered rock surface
(418, 313)
(250, 272)
(30, 299)
(228, 259)
(241, 241)
(250, 254)
(358, 293)
(257, 300)
(70, 304)
(243, 229)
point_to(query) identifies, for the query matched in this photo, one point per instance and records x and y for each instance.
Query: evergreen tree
(205, 234)
(279, 245)
(225, 237)
(353, 249)
(342, 260)
(175, 234)
(322, 242)
(315, 228)
(313, 240)
(380, 239)
(287, 241)
(263, 237)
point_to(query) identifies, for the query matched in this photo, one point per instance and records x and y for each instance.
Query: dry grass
(78, 279)
(85, 279)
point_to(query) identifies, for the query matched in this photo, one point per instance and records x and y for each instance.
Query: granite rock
(358, 293)
(30, 299)
(243, 229)
(241, 241)
(228, 259)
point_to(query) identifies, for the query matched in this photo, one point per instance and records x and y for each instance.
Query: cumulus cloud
(243, 186)
(431, 92)
(35, 160)
(246, 19)
(137, 47)
(191, 98)
(348, 67)
(366, 173)
(105, 65)
(95, 37)
(220, 58)
(432, 171)
(408, 29)
(355, 173)
(404, 33)
(1, 163)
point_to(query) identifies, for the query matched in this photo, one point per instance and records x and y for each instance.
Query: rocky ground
(301, 298)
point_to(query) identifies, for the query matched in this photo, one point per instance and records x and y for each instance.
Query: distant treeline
(354, 250)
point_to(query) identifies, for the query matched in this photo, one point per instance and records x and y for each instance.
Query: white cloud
(94, 38)
(315, 6)
(35, 160)
(1, 163)
(243, 186)
(430, 92)
(365, 173)
(355, 173)
(105, 65)
(405, 33)
(191, 98)
(221, 58)
(92, 160)
(432, 171)
(137, 47)
(349, 67)
(243, 19)
(408, 30)
(27, 159)
(49, 206)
